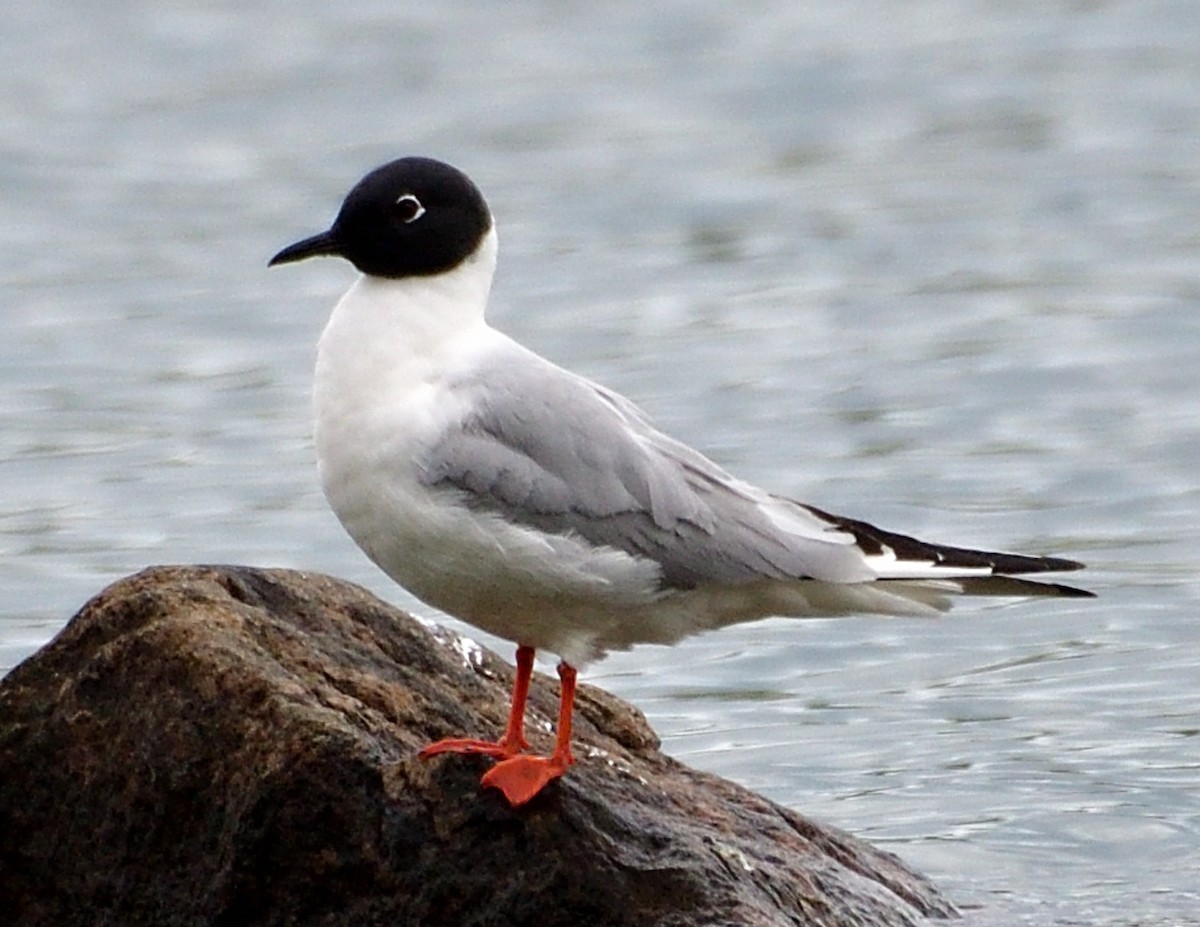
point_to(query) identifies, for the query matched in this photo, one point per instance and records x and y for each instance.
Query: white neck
(386, 337)
(419, 310)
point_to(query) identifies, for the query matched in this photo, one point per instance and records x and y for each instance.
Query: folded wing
(547, 449)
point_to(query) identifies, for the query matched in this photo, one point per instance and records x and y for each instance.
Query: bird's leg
(521, 777)
(513, 741)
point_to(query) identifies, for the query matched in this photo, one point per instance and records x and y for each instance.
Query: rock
(232, 746)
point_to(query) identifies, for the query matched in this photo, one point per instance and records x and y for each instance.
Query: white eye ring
(420, 211)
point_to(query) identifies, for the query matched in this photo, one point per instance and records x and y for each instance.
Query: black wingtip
(873, 540)
(1001, 585)
(1059, 565)
(1072, 592)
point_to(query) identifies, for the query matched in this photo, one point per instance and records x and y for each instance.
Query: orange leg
(521, 777)
(513, 741)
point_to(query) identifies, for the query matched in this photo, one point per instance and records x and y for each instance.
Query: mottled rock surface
(233, 746)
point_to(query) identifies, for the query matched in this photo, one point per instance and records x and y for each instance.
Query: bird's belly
(554, 592)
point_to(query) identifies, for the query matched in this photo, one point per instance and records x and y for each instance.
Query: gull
(544, 508)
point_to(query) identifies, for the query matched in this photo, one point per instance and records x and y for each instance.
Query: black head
(413, 217)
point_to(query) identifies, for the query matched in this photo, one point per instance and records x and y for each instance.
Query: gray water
(935, 264)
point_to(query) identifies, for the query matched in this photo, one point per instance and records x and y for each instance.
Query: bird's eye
(408, 208)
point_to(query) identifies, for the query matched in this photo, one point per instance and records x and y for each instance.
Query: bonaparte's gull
(543, 507)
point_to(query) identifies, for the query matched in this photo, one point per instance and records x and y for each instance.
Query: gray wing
(547, 449)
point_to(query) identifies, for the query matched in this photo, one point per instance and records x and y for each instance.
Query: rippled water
(932, 264)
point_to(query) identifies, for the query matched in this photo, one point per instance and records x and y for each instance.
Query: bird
(544, 508)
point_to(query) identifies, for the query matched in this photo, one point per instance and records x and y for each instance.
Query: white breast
(382, 398)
